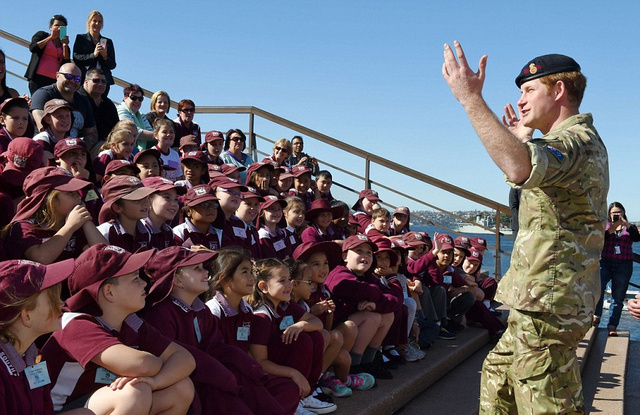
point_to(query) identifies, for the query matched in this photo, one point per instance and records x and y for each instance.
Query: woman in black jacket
(48, 52)
(92, 50)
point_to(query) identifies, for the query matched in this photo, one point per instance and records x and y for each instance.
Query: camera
(616, 218)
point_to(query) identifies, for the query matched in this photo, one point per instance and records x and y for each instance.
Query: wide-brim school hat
(370, 195)
(20, 279)
(384, 245)
(96, 265)
(332, 250)
(160, 184)
(319, 206)
(355, 241)
(255, 166)
(121, 187)
(37, 185)
(22, 156)
(162, 267)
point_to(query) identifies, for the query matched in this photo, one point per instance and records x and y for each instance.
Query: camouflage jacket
(563, 209)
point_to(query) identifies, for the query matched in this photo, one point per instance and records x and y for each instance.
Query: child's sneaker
(446, 334)
(317, 406)
(301, 411)
(333, 386)
(413, 355)
(361, 381)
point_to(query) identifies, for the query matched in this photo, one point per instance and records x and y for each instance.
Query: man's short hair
(574, 82)
(132, 88)
(93, 72)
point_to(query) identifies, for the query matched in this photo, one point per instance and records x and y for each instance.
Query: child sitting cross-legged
(105, 357)
(226, 379)
(285, 339)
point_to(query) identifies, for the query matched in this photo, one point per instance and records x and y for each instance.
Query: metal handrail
(368, 158)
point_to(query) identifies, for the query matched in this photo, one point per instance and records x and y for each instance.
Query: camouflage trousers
(534, 369)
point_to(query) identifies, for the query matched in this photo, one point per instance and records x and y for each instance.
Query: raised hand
(512, 122)
(464, 83)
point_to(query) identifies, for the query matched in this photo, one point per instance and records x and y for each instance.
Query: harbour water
(626, 321)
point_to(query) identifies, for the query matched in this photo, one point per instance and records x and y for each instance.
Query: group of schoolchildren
(211, 289)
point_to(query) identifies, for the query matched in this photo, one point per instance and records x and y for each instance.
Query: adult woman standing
(616, 263)
(48, 52)
(5, 91)
(234, 146)
(92, 50)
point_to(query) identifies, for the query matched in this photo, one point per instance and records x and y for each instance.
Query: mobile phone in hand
(63, 32)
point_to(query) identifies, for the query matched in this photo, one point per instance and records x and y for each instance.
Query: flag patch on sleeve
(556, 153)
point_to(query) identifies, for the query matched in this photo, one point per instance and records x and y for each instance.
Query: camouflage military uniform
(553, 282)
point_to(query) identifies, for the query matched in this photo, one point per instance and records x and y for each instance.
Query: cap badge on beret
(533, 68)
(20, 161)
(114, 248)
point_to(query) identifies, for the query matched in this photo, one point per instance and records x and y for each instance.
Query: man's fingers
(482, 66)
(460, 53)
(450, 63)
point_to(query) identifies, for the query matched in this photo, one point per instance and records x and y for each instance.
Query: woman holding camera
(616, 263)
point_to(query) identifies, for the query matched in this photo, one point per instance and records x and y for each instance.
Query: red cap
(115, 165)
(413, 239)
(23, 155)
(37, 185)
(252, 192)
(121, 187)
(255, 166)
(370, 195)
(213, 135)
(399, 244)
(355, 241)
(462, 240)
(331, 249)
(322, 205)
(384, 245)
(298, 171)
(353, 220)
(188, 140)
(270, 200)
(96, 265)
(227, 183)
(198, 155)
(20, 279)
(478, 243)
(199, 194)
(8, 103)
(227, 169)
(474, 255)
(161, 184)
(162, 267)
(459, 244)
(285, 173)
(150, 151)
(445, 241)
(68, 144)
(402, 209)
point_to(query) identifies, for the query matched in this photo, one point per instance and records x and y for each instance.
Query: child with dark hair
(201, 212)
(273, 240)
(14, 119)
(320, 217)
(324, 180)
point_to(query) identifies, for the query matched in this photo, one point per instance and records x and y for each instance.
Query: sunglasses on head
(71, 77)
(135, 98)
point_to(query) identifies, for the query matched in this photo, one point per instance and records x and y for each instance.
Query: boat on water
(480, 227)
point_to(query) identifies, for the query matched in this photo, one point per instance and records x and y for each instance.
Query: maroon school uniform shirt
(314, 234)
(363, 219)
(117, 235)
(239, 233)
(24, 234)
(308, 197)
(293, 237)
(69, 352)
(235, 325)
(160, 238)
(16, 396)
(348, 289)
(187, 235)
(274, 245)
(319, 293)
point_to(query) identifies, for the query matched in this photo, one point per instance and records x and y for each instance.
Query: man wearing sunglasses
(104, 110)
(129, 109)
(66, 87)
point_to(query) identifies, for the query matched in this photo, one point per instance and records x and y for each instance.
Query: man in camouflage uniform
(553, 282)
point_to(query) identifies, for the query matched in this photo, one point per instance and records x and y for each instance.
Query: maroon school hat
(121, 187)
(403, 210)
(474, 255)
(332, 250)
(23, 155)
(399, 243)
(68, 144)
(9, 103)
(115, 165)
(459, 244)
(162, 267)
(199, 194)
(384, 245)
(212, 136)
(37, 185)
(161, 184)
(478, 243)
(188, 140)
(252, 192)
(199, 156)
(96, 265)
(285, 173)
(355, 241)
(54, 105)
(20, 279)
(255, 166)
(319, 206)
(446, 242)
(353, 220)
(462, 240)
(414, 239)
(148, 152)
(370, 195)
(298, 171)
(227, 169)
(227, 183)
(270, 200)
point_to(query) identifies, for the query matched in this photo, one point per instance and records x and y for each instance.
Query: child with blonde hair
(119, 146)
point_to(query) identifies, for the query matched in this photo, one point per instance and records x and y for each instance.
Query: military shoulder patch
(556, 153)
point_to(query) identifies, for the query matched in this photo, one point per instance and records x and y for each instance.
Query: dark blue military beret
(546, 65)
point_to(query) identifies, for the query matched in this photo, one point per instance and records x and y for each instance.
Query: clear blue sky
(369, 72)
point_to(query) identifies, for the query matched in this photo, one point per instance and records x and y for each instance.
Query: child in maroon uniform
(242, 224)
(367, 201)
(285, 339)
(200, 210)
(29, 308)
(401, 221)
(119, 146)
(273, 240)
(320, 217)
(379, 227)
(302, 185)
(126, 203)
(179, 277)
(360, 300)
(51, 224)
(194, 169)
(294, 215)
(105, 356)
(164, 206)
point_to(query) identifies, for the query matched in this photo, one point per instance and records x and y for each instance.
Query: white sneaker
(413, 354)
(301, 411)
(317, 406)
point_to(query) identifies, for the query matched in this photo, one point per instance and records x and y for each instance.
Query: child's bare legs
(130, 399)
(333, 342)
(349, 331)
(383, 328)
(176, 399)
(342, 364)
(368, 324)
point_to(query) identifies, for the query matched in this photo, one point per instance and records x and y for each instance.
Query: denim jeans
(619, 273)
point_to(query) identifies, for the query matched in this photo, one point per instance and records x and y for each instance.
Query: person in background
(92, 50)
(119, 146)
(298, 158)
(129, 109)
(48, 52)
(234, 147)
(514, 206)
(5, 91)
(184, 122)
(104, 110)
(14, 120)
(616, 263)
(401, 222)
(281, 152)
(324, 181)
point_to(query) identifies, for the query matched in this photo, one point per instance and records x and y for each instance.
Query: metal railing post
(497, 270)
(367, 170)
(252, 138)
